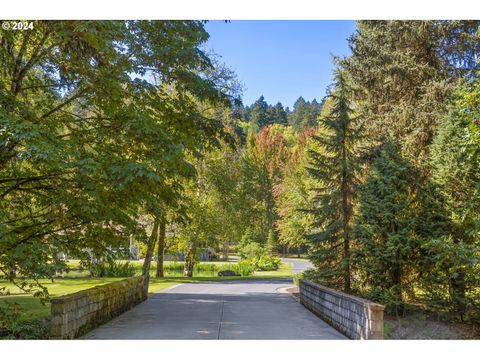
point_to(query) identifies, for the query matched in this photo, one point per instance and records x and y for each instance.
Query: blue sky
(281, 59)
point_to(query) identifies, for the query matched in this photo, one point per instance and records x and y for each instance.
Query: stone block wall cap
(93, 290)
(355, 299)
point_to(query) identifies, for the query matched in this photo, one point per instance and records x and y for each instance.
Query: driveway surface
(240, 309)
(298, 265)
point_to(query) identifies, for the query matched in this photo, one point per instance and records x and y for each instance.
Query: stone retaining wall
(354, 317)
(75, 314)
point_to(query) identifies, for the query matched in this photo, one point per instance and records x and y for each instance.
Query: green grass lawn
(285, 270)
(33, 309)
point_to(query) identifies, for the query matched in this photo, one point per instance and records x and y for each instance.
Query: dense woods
(119, 130)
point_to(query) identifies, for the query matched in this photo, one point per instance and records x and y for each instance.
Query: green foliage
(265, 156)
(113, 269)
(93, 136)
(11, 326)
(9, 315)
(272, 243)
(397, 215)
(292, 196)
(261, 263)
(313, 275)
(458, 179)
(261, 114)
(334, 167)
(267, 263)
(470, 102)
(403, 73)
(258, 113)
(297, 278)
(305, 114)
(250, 250)
(244, 268)
(201, 269)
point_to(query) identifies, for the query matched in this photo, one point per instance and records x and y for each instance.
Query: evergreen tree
(457, 178)
(403, 73)
(259, 115)
(314, 113)
(278, 114)
(304, 114)
(334, 165)
(385, 226)
(298, 114)
(272, 243)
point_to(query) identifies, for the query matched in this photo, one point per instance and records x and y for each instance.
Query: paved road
(240, 309)
(298, 265)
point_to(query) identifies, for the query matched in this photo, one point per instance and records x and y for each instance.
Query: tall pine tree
(334, 165)
(259, 113)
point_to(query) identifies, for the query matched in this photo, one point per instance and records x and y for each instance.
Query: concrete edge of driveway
(167, 288)
(284, 290)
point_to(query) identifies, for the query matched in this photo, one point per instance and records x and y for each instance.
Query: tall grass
(206, 269)
(173, 269)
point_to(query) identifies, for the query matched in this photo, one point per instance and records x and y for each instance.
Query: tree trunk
(225, 252)
(12, 272)
(457, 283)
(148, 256)
(457, 286)
(397, 282)
(346, 259)
(298, 252)
(346, 239)
(347, 215)
(161, 248)
(189, 261)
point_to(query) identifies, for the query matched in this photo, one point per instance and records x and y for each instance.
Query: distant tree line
(261, 114)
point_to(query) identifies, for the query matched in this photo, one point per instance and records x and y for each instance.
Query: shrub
(297, 277)
(312, 275)
(268, 263)
(113, 269)
(11, 326)
(251, 250)
(244, 267)
(261, 263)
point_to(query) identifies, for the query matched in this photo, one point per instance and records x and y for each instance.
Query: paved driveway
(240, 309)
(298, 265)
